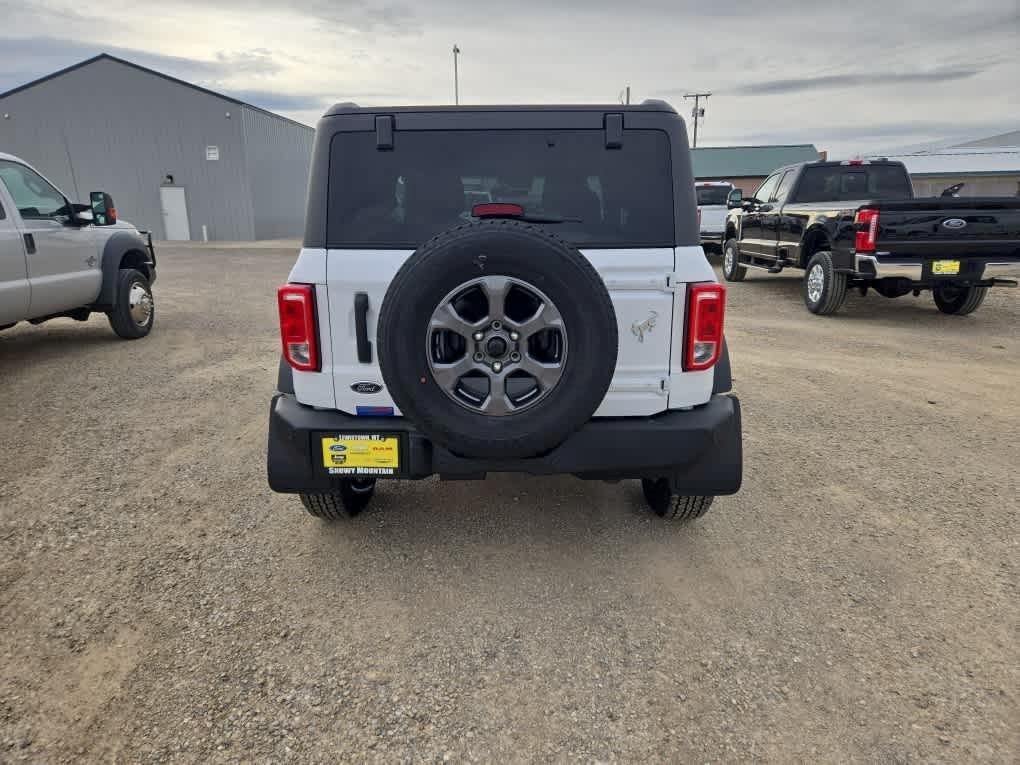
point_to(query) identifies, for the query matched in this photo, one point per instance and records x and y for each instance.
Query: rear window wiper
(516, 212)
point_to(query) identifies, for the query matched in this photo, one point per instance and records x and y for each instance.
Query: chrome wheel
(815, 283)
(496, 345)
(729, 259)
(139, 304)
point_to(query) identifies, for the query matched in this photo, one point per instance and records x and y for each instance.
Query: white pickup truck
(712, 210)
(60, 259)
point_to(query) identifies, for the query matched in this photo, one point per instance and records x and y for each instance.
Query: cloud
(281, 102)
(28, 58)
(841, 77)
(362, 16)
(892, 137)
(837, 81)
(258, 61)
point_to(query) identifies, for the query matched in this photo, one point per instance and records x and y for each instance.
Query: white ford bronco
(503, 289)
(60, 259)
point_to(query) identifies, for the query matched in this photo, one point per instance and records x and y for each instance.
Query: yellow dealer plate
(361, 454)
(945, 267)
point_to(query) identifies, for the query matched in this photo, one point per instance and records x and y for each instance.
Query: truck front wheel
(133, 310)
(959, 300)
(731, 269)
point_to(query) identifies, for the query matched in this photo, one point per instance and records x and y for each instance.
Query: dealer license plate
(945, 267)
(361, 454)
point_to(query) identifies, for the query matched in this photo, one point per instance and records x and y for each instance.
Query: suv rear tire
(824, 289)
(732, 270)
(666, 503)
(347, 501)
(959, 300)
(530, 255)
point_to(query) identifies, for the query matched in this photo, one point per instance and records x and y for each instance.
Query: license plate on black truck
(945, 267)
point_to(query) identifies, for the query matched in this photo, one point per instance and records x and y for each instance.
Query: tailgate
(944, 226)
(713, 218)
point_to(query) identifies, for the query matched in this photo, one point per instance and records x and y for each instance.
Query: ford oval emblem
(954, 223)
(366, 387)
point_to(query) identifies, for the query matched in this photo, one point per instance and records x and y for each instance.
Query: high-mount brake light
(497, 210)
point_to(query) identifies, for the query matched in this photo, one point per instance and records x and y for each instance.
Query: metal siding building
(112, 125)
(277, 157)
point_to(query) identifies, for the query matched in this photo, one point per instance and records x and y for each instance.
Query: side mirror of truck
(104, 213)
(735, 199)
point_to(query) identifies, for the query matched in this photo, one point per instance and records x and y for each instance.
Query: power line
(698, 111)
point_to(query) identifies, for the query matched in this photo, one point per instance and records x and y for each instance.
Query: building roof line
(147, 70)
(756, 146)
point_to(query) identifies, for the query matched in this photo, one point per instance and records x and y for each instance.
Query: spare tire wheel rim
(496, 345)
(815, 283)
(728, 260)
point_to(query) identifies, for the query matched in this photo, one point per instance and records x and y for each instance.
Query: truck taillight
(867, 230)
(297, 326)
(699, 217)
(706, 306)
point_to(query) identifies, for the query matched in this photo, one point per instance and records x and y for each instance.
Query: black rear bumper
(700, 449)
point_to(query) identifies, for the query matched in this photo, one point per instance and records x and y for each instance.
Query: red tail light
(699, 217)
(706, 306)
(867, 231)
(297, 326)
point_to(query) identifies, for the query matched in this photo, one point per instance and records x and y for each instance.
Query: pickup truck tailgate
(945, 226)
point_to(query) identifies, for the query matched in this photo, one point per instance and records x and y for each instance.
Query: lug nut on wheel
(515, 336)
(479, 357)
(515, 356)
(497, 324)
(497, 366)
(479, 336)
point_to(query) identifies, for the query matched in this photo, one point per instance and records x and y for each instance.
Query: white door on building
(175, 213)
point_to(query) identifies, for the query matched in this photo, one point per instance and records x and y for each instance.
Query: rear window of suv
(430, 181)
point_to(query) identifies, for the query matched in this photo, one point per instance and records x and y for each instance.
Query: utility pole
(698, 111)
(456, 79)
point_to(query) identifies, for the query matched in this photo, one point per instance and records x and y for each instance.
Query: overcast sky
(848, 77)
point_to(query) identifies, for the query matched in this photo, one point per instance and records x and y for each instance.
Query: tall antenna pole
(698, 112)
(456, 77)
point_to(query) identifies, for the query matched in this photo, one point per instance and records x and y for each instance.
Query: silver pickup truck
(60, 259)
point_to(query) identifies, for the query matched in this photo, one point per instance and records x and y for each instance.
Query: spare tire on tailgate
(497, 339)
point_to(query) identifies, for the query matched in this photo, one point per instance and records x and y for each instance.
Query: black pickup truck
(856, 224)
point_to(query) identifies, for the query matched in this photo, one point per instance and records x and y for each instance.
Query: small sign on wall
(212, 153)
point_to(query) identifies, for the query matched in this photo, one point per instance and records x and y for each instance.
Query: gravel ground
(857, 601)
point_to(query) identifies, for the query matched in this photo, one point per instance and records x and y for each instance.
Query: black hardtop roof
(650, 105)
(388, 123)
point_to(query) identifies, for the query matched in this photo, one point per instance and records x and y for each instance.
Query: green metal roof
(739, 161)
